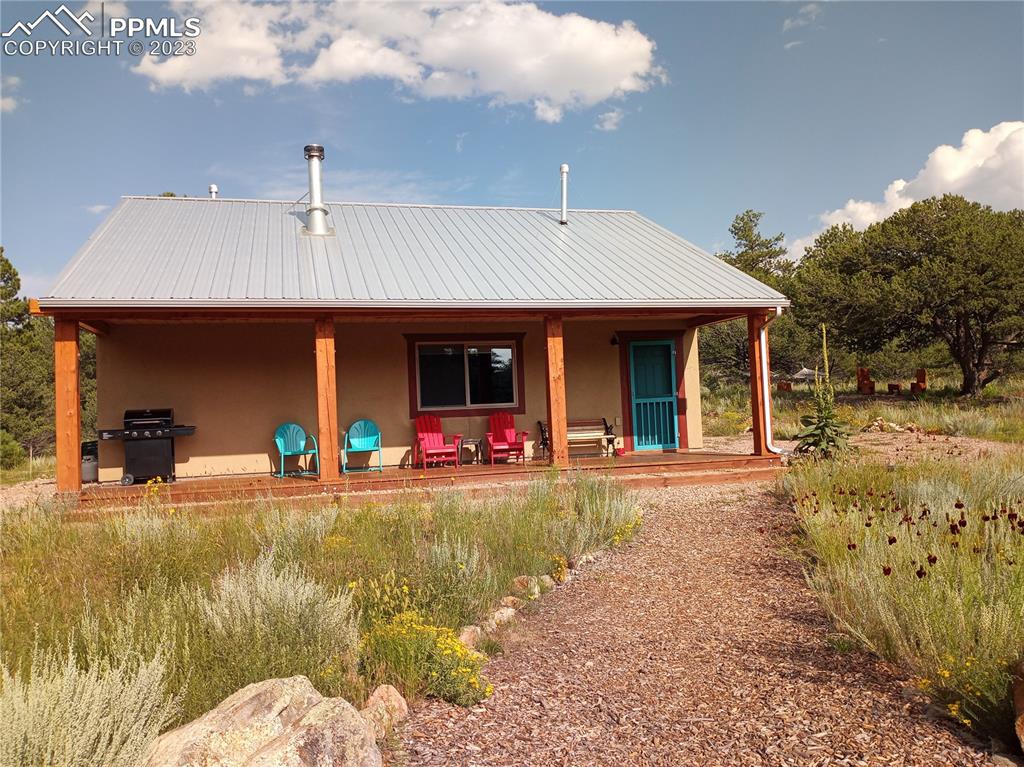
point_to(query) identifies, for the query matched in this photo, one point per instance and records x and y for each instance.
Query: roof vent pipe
(565, 194)
(316, 211)
(213, 191)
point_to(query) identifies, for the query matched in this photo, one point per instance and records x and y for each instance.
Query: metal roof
(196, 252)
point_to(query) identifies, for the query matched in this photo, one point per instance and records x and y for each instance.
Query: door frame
(676, 335)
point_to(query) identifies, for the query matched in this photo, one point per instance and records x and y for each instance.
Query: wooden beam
(757, 402)
(67, 407)
(96, 327)
(327, 399)
(557, 419)
(702, 320)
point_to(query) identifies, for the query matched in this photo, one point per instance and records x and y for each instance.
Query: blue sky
(812, 113)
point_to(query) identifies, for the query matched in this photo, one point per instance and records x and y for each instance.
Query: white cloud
(790, 45)
(460, 138)
(239, 41)
(807, 15)
(610, 121)
(97, 209)
(9, 84)
(507, 53)
(987, 167)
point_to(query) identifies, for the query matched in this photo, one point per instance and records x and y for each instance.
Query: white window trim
(511, 345)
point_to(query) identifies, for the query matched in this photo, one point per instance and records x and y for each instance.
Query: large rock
(384, 709)
(470, 636)
(498, 618)
(526, 586)
(276, 723)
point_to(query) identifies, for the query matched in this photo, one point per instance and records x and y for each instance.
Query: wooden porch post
(327, 399)
(67, 407)
(557, 420)
(758, 404)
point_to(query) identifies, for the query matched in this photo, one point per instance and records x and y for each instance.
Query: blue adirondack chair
(291, 439)
(362, 437)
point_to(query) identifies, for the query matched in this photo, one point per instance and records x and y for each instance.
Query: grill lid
(149, 417)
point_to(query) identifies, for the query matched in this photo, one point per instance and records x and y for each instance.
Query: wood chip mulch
(696, 644)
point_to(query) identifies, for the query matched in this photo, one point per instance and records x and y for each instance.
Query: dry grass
(257, 590)
(924, 564)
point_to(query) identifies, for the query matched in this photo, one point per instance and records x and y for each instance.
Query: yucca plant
(823, 435)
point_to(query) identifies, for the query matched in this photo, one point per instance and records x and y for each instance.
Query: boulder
(525, 586)
(546, 583)
(499, 617)
(384, 709)
(470, 636)
(514, 602)
(276, 723)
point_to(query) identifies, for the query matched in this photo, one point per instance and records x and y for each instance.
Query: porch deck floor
(647, 469)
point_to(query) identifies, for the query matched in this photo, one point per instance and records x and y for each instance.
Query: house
(243, 314)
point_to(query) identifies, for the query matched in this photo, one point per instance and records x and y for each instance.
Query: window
(463, 375)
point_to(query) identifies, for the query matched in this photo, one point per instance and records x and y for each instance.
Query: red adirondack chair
(430, 446)
(503, 441)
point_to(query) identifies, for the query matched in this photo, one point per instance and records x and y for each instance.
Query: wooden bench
(592, 431)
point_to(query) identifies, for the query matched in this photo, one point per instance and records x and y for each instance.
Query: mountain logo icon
(55, 17)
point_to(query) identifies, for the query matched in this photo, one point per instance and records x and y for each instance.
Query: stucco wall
(237, 381)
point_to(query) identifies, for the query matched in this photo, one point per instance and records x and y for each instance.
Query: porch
(237, 376)
(635, 470)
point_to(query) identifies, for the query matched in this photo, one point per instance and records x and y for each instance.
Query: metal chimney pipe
(316, 211)
(213, 191)
(564, 170)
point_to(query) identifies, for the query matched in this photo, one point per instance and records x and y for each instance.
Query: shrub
(290, 535)
(260, 623)
(11, 452)
(63, 715)
(421, 658)
(459, 586)
(255, 623)
(824, 434)
(924, 565)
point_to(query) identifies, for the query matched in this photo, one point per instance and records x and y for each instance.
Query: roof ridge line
(377, 204)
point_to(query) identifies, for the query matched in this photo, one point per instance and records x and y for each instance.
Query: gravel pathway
(697, 644)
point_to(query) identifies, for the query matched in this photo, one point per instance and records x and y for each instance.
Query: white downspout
(766, 385)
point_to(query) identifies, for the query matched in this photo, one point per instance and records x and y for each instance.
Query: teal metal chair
(291, 439)
(362, 437)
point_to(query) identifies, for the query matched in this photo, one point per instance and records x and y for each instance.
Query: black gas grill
(148, 437)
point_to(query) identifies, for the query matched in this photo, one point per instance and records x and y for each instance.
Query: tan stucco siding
(237, 381)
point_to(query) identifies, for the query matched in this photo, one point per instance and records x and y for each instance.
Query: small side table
(477, 446)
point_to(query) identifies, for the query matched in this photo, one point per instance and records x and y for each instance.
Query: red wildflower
(932, 559)
(892, 539)
(921, 572)
(851, 546)
(959, 504)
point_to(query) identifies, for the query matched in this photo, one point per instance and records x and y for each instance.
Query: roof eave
(53, 305)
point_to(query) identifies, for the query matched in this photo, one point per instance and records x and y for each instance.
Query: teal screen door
(652, 376)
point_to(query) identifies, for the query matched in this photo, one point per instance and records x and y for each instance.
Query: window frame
(515, 340)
